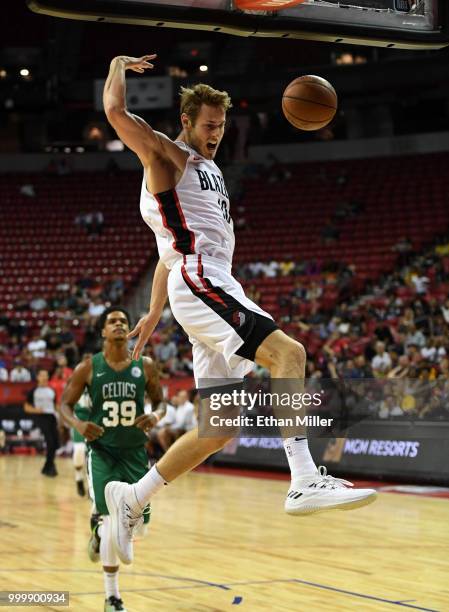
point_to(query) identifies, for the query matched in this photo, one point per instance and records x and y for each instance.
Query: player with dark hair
(115, 430)
(185, 202)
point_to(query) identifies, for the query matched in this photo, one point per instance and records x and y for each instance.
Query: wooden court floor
(224, 543)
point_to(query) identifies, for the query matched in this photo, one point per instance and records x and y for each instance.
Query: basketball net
(266, 5)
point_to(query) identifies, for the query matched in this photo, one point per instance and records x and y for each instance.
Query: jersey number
(224, 209)
(123, 413)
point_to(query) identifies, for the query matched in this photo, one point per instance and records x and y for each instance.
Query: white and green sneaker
(93, 547)
(113, 603)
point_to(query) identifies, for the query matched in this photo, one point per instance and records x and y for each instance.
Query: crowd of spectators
(66, 331)
(396, 328)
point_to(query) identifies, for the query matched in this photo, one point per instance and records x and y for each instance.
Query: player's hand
(146, 422)
(90, 431)
(138, 64)
(144, 328)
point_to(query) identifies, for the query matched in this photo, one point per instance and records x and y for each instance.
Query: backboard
(409, 24)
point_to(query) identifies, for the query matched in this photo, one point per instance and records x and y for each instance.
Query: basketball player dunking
(185, 202)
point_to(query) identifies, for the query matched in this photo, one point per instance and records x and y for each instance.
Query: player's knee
(295, 353)
(288, 353)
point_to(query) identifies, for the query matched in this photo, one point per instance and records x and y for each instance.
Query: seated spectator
(420, 282)
(256, 268)
(185, 420)
(69, 346)
(415, 337)
(37, 346)
(390, 408)
(116, 289)
(298, 291)
(52, 337)
(361, 368)
(19, 373)
(22, 303)
(60, 377)
(158, 442)
(28, 191)
(381, 362)
(166, 349)
(402, 368)
(96, 307)
(286, 267)
(414, 354)
(38, 303)
(434, 350)
(407, 320)
(3, 374)
(314, 292)
(271, 269)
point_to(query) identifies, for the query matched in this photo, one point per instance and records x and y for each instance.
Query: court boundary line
(197, 583)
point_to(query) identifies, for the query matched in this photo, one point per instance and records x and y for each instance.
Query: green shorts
(104, 465)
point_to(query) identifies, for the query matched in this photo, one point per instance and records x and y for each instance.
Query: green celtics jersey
(117, 399)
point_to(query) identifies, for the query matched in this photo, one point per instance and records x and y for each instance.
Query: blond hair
(193, 97)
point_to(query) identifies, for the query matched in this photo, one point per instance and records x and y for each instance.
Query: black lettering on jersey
(212, 182)
(224, 191)
(217, 184)
(203, 180)
(224, 209)
(209, 181)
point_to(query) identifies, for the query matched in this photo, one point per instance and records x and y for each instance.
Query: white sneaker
(123, 520)
(319, 492)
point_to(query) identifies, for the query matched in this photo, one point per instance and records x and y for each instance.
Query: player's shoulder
(149, 366)
(84, 369)
(148, 362)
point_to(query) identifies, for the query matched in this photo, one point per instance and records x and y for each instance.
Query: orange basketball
(309, 103)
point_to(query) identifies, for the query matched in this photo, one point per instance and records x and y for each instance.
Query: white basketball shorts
(224, 326)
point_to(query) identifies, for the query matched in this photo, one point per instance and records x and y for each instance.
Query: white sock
(79, 474)
(111, 584)
(299, 457)
(143, 490)
(79, 455)
(108, 554)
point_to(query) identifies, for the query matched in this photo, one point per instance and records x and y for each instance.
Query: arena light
(24, 72)
(3, 73)
(204, 68)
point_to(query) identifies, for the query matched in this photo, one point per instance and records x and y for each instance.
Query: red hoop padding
(266, 5)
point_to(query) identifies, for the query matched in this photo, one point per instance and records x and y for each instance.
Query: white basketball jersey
(194, 216)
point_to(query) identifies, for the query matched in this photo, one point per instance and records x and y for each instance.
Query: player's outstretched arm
(147, 324)
(72, 393)
(148, 144)
(130, 128)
